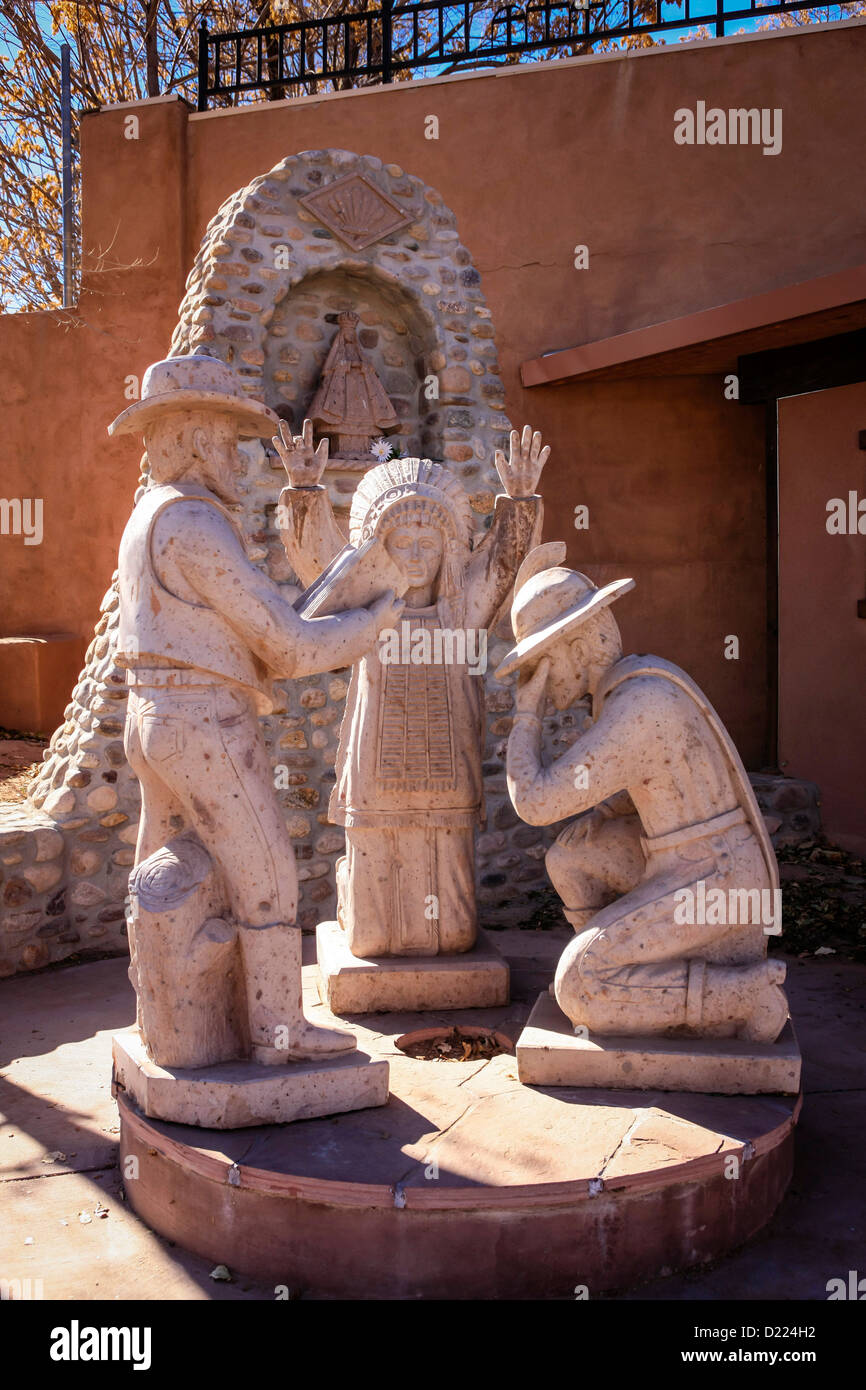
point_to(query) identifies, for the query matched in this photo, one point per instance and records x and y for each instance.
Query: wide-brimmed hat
(551, 604)
(194, 383)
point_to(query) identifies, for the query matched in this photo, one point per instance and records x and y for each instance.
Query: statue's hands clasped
(520, 473)
(303, 463)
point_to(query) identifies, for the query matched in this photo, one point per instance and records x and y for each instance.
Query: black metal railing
(377, 44)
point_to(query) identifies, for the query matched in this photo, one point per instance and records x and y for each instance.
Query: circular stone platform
(468, 1184)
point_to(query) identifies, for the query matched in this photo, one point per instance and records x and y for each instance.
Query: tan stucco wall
(63, 374)
(533, 161)
(822, 641)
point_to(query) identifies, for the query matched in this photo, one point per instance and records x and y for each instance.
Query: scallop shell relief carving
(356, 211)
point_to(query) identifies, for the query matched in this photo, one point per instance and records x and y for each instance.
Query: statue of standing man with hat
(203, 632)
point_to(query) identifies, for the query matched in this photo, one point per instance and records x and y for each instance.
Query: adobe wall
(64, 373)
(822, 573)
(535, 159)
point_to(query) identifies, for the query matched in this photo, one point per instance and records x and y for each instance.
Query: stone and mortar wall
(791, 807)
(33, 924)
(65, 854)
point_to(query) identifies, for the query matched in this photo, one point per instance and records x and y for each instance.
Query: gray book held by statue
(355, 577)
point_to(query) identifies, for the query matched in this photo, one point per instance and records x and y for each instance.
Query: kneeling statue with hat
(668, 874)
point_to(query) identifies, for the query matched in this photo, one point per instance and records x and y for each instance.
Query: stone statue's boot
(714, 1001)
(770, 1012)
(279, 1032)
(746, 996)
(578, 917)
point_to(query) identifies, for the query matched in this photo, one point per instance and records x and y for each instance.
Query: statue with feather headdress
(409, 788)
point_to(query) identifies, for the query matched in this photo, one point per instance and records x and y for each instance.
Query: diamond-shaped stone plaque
(356, 211)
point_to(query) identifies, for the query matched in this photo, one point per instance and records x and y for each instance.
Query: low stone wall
(66, 853)
(49, 909)
(33, 926)
(792, 808)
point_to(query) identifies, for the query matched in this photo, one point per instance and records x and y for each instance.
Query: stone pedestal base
(549, 1054)
(233, 1095)
(478, 979)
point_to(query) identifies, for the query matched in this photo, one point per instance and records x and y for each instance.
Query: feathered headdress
(393, 492)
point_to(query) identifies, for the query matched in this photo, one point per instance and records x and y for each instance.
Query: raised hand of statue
(532, 690)
(304, 464)
(520, 473)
